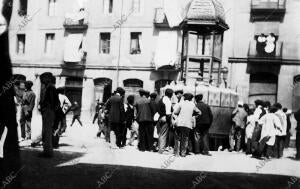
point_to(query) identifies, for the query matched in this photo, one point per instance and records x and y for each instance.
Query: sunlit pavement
(79, 146)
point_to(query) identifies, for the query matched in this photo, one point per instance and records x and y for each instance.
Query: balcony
(76, 21)
(267, 10)
(258, 54)
(160, 19)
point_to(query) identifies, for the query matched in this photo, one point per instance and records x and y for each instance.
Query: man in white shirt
(270, 122)
(164, 123)
(280, 132)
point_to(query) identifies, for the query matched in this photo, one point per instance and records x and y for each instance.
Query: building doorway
(103, 88)
(73, 89)
(263, 86)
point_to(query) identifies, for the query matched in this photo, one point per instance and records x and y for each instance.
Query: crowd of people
(176, 123)
(263, 130)
(181, 125)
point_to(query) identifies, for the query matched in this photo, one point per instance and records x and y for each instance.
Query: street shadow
(45, 173)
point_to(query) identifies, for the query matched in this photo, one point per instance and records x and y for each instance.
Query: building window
(52, 7)
(21, 43)
(107, 6)
(136, 6)
(104, 43)
(23, 8)
(135, 42)
(49, 43)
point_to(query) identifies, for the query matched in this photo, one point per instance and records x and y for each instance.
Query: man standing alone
(49, 103)
(203, 123)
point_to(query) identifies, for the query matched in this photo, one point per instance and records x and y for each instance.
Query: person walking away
(28, 103)
(270, 122)
(250, 125)
(97, 108)
(76, 113)
(164, 123)
(144, 117)
(203, 123)
(65, 106)
(49, 103)
(239, 118)
(288, 127)
(280, 132)
(297, 117)
(129, 116)
(184, 124)
(116, 117)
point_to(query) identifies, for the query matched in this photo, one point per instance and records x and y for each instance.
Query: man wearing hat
(239, 119)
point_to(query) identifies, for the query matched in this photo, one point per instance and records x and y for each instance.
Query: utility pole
(119, 52)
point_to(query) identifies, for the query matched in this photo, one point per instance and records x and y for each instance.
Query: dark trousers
(48, 117)
(181, 140)
(163, 128)
(298, 145)
(279, 146)
(95, 117)
(248, 146)
(118, 128)
(145, 136)
(201, 139)
(171, 137)
(22, 124)
(63, 126)
(287, 139)
(236, 137)
(107, 131)
(76, 117)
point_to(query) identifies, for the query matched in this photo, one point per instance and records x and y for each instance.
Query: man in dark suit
(116, 117)
(203, 123)
(144, 116)
(10, 162)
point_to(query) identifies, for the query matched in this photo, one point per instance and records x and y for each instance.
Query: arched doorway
(263, 86)
(132, 86)
(103, 87)
(296, 93)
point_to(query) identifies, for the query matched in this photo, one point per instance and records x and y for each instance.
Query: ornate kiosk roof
(206, 12)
